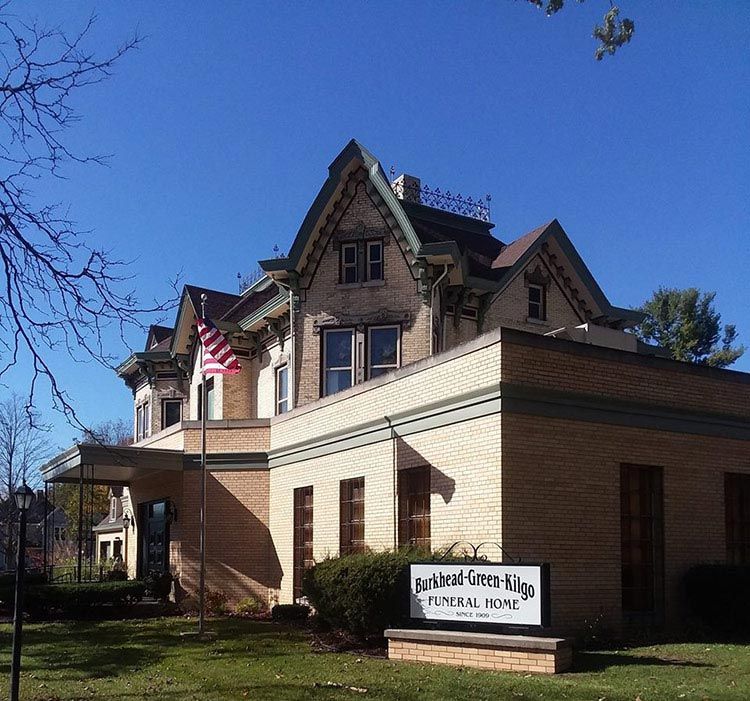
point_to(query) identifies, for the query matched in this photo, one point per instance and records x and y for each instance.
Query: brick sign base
(515, 653)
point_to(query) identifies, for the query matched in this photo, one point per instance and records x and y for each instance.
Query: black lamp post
(126, 525)
(24, 495)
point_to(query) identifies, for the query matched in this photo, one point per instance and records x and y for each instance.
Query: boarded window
(737, 507)
(303, 535)
(352, 516)
(642, 538)
(414, 507)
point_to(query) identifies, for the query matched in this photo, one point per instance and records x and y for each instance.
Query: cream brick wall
(511, 308)
(326, 297)
(195, 381)
(272, 358)
(481, 657)
(624, 376)
(476, 369)
(465, 483)
(240, 560)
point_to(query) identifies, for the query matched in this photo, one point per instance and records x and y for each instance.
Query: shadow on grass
(97, 649)
(601, 661)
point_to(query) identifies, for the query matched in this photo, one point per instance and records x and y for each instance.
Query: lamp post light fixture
(23, 496)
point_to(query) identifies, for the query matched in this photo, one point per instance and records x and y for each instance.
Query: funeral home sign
(480, 593)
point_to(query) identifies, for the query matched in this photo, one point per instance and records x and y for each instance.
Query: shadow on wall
(240, 555)
(440, 483)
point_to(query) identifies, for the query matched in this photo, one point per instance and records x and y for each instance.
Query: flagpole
(204, 406)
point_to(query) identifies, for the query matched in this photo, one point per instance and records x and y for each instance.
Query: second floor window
(374, 260)
(338, 360)
(210, 408)
(142, 421)
(282, 389)
(383, 346)
(113, 509)
(171, 412)
(349, 265)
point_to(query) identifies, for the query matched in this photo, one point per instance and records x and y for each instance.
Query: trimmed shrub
(8, 579)
(116, 575)
(158, 584)
(216, 602)
(290, 612)
(718, 596)
(74, 599)
(362, 593)
(250, 606)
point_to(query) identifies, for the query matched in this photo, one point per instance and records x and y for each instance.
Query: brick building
(408, 378)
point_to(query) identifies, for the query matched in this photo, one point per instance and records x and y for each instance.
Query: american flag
(218, 358)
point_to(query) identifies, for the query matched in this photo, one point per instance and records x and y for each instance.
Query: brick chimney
(407, 188)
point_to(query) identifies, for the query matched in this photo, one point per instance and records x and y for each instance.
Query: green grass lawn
(249, 660)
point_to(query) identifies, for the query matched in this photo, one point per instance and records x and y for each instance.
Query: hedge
(718, 595)
(290, 612)
(362, 593)
(75, 598)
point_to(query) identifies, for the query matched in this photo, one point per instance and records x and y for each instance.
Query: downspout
(292, 352)
(395, 482)
(432, 305)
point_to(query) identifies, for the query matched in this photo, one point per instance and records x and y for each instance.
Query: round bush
(363, 593)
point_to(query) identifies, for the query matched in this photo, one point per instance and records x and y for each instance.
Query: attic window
(374, 260)
(349, 263)
(536, 302)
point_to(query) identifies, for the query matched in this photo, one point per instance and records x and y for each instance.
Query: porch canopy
(109, 465)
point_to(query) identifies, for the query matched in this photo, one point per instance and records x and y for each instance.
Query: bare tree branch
(23, 447)
(59, 292)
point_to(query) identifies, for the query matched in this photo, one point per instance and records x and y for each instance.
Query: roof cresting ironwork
(411, 189)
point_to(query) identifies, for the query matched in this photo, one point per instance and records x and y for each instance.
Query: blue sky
(222, 126)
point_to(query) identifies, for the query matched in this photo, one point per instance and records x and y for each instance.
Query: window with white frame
(282, 389)
(374, 260)
(349, 266)
(536, 302)
(142, 421)
(210, 408)
(338, 360)
(113, 509)
(383, 349)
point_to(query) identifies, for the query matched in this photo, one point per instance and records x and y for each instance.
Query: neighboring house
(410, 379)
(61, 541)
(109, 532)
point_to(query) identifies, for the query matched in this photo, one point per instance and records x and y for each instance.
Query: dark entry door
(154, 550)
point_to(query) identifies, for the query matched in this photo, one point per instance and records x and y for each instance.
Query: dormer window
(374, 260)
(536, 302)
(349, 267)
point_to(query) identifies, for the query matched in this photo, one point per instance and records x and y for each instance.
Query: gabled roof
(157, 335)
(217, 303)
(352, 155)
(515, 256)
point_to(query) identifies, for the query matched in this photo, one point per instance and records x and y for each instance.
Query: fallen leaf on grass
(336, 685)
